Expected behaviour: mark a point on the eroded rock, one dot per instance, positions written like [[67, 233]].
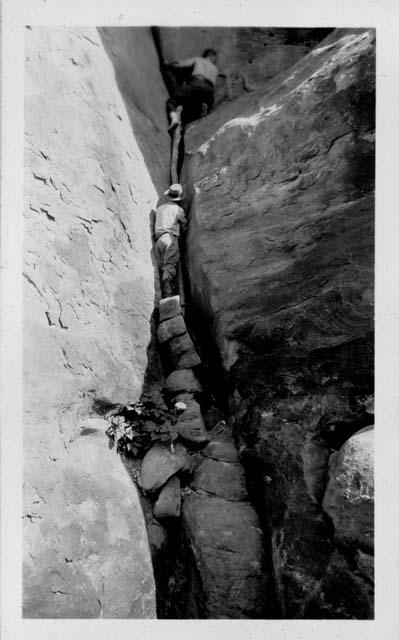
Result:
[[91, 180], [223, 479], [188, 360], [81, 516], [181, 344], [182, 380], [190, 424], [159, 464], [228, 551], [169, 307], [349, 497], [171, 328], [168, 503], [220, 449]]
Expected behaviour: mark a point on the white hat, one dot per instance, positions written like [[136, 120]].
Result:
[[175, 192]]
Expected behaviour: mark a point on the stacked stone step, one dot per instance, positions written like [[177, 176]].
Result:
[[182, 384]]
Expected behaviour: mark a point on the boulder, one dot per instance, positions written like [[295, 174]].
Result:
[[169, 500], [159, 464], [169, 307], [87, 551], [188, 360], [223, 479], [171, 328], [221, 449], [349, 497], [227, 548], [183, 380], [181, 344], [190, 424]]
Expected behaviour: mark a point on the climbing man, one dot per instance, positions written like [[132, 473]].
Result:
[[170, 219], [196, 95]]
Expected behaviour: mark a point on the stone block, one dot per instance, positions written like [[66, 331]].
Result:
[[171, 328], [188, 360], [159, 464], [169, 307], [183, 380], [169, 500], [190, 424], [181, 344]]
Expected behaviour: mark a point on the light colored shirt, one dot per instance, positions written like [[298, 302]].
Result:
[[168, 219], [202, 67]]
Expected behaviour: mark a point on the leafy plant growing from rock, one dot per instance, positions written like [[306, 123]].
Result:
[[140, 425]]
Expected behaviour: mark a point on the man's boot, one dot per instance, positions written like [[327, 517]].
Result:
[[174, 121]]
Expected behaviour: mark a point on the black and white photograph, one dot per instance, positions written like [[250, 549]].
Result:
[[198, 321]]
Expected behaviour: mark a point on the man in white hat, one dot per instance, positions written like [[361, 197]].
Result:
[[170, 219]]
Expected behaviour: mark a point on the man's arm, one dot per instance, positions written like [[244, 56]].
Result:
[[180, 64]]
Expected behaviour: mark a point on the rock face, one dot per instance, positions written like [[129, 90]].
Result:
[[251, 56], [280, 262], [226, 543], [87, 553], [349, 497], [282, 204], [159, 464], [90, 185]]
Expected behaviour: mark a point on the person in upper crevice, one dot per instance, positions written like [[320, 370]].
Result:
[[196, 96], [170, 219]]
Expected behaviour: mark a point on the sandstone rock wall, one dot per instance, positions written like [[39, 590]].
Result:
[[281, 231], [280, 263], [91, 182]]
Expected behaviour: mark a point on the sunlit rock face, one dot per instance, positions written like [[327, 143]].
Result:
[[91, 182]]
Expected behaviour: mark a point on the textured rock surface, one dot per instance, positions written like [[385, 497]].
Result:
[[169, 307], [223, 450], [170, 328], [226, 545], [190, 424], [169, 500], [159, 464], [282, 205], [223, 479], [280, 258], [87, 554], [349, 497], [251, 56], [181, 344], [188, 360], [183, 380], [88, 299]]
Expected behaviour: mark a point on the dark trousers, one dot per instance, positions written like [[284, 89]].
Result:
[[191, 96]]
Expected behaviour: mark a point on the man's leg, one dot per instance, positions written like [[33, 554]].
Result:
[[167, 251], [170, 262], [172, 103]]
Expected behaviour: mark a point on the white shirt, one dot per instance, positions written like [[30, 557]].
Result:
[[168, 218], [203, 67]]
